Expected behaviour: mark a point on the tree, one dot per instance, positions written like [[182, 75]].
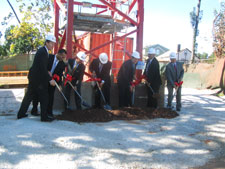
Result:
[[38, 12], [195, 19], [219, 32], [24, 38], [36, 23]]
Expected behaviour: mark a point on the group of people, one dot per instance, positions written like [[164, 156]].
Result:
[[47, 71]]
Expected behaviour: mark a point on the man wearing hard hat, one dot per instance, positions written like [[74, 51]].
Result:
[[39, 79], [174, 75], [75, 68], [56, 67], [125, 77], [153, 78], [100, 68]]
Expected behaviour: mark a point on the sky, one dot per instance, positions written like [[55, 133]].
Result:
[[166, 22]]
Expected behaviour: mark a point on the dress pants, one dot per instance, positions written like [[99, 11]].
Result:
[[124, 95], [76, 97], [40, 91], [151, 102], [106, 93], [51, 93], [170, 95]]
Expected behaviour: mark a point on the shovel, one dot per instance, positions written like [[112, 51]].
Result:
[[178, 86], [60, 90], [133, 96], [155, 95], [85, 104], [106, 106]]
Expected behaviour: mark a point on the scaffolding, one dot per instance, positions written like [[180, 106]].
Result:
[[115, 20]]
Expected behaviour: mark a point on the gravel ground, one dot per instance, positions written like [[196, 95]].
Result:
[[192, 139]]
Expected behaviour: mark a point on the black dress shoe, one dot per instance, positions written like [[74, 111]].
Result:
[[20, 116], [51, 116], [47, 119], [35, 113]]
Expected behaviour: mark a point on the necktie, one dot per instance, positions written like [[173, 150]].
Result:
[[54, 65], [100, 67], [148, 66], [175, 67], [75, 67]]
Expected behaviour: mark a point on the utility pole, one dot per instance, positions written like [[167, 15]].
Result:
[[13, 11], [195, 32]]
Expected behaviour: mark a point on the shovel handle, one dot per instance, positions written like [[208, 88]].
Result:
[[60, 90]]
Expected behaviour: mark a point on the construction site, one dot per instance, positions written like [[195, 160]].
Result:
[[127, 138]]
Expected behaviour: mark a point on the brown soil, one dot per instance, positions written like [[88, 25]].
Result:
[[127, 113]]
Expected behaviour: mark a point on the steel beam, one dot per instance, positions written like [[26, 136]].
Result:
[[56, 26], [115, 39], [69, 28], [119, 12]]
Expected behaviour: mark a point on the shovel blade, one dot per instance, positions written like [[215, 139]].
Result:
[[85, 104], [107, 107]]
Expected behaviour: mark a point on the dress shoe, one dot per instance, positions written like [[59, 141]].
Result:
[[20, 116], [178, 109], [47, 119], [35, 113], [51, 116]]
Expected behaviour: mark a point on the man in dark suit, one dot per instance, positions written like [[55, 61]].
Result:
[[100, 68], [125, 76], [56, 66], [153, 78], [75, 68], [39, 79], [174, 73]]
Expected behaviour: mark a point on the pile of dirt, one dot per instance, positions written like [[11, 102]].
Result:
[[127, 113]]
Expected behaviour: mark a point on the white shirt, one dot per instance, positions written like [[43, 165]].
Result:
[[55, 62]]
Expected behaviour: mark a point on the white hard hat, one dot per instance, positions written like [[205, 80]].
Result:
[[81, 56], [103, 57], [173, 55], [151, 51], [51, 38], [136, 55]]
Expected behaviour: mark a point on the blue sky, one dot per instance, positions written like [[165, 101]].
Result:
[[166, 22]]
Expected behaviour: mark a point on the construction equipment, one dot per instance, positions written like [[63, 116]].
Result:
[[106, 106], [85, 104]]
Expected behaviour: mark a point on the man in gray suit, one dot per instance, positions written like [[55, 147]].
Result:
[[174, 75]]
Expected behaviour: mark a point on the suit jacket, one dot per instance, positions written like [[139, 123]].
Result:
[[76, 73], [152, 73], [38, 73], [126, 73], [105, 72], [60, 67], [172, 75]]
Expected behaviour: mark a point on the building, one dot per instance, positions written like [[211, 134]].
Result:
[[183, 56], [158, 48]]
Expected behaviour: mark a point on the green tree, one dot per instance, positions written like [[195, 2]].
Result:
[[24, 38], [219, 32], [8, 41], [38, 12], [196, 16], [36, 23], [3, 51]]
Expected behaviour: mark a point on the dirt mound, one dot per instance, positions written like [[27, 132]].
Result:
[[128, 113]]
